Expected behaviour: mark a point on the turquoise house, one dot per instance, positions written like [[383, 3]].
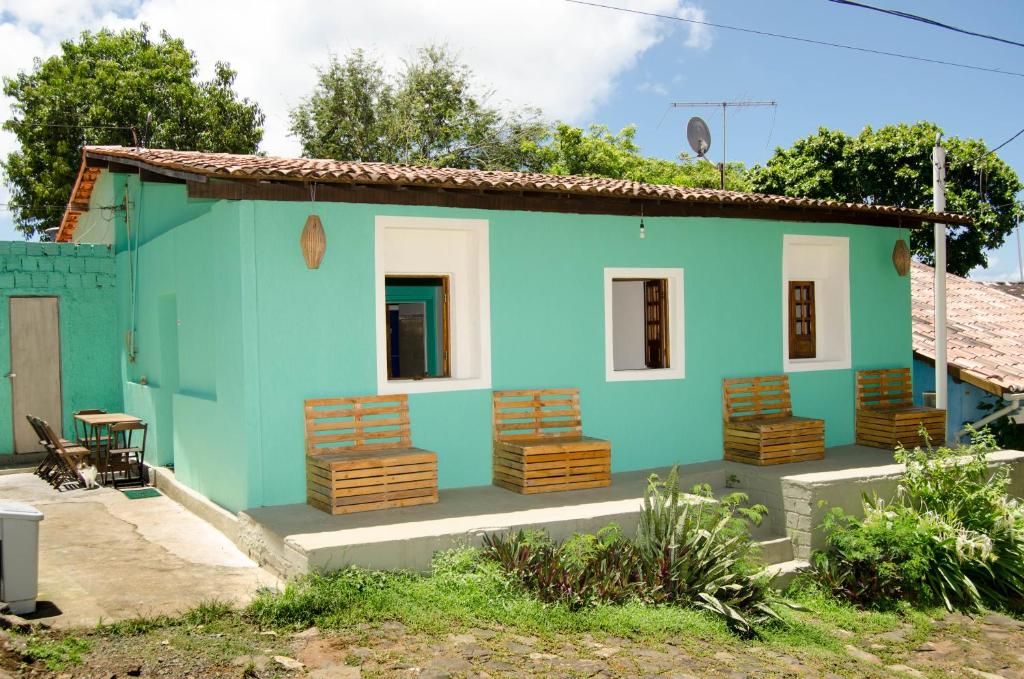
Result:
[[447, 284]]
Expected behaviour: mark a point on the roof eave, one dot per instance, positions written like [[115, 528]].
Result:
[[867, 215]]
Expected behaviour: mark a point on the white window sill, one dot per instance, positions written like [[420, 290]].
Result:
[[800, 365], [644, 374], [432, 385]]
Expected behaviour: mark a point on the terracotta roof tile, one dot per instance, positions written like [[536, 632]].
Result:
[[1015, 289], [985, 327], [231, 166]]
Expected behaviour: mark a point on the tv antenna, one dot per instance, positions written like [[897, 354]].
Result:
[[724, 105]]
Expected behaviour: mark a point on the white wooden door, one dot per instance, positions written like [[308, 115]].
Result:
[[35, 367]]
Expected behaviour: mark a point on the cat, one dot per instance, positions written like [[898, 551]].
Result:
[[89, 473]]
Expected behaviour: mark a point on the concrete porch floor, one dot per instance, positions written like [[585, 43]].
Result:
[[104, 557], [293, 539]]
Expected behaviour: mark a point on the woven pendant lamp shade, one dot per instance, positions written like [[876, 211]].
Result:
[[313, 242], [901, 257]]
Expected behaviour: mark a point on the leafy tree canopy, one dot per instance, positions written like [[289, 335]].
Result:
[[602, 153], [892, 166], [428, 113], [96, 91]]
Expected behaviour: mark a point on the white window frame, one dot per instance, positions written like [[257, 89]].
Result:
[[676, 325], [462, 309], [831, 287]]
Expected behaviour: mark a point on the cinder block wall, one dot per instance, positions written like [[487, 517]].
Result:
[[82, 278]]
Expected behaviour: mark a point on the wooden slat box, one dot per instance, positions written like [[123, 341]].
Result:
[[539, 446], [359, 456], [759, 426], [887, 416]]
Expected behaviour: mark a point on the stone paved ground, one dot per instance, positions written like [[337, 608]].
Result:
[[990, 646]]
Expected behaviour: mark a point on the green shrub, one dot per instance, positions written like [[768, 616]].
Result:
[[689, 550], [951, 536], [583, 571]]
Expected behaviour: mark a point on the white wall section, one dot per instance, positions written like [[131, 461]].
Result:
[[457, 248], [826, 261]]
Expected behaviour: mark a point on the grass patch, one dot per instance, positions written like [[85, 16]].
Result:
[[209, 612], [466, 590], [57, 653], [463, 590]]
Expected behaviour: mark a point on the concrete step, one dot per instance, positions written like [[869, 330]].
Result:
[[785, 572], [776, 550]]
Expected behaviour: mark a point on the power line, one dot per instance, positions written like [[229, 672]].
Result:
[[810, 41], [991, 151], [1019, 132], [926, 20]]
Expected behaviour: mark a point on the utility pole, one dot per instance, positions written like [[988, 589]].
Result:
[[724, 106], [1020, 257], [939, 205]]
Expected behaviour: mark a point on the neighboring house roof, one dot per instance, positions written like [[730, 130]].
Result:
[[985, 330], [1015, 289], [196, 167]]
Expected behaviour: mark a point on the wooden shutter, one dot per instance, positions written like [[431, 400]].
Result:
[[802, 343], [656, 323]]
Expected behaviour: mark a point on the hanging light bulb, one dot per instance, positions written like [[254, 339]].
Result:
[[642, 233]]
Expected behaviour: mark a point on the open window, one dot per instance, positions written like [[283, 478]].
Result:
[[802, 314], [418, 341], [432, 303], [643, 319]]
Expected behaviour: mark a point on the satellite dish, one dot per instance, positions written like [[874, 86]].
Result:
[[699, 136]]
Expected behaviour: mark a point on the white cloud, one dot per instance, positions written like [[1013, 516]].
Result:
[[564, 58], [698, 36], [653, 88]]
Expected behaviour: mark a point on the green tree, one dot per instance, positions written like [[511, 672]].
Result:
[[892, 166], [599, 152], [429, 113], [100, 90]]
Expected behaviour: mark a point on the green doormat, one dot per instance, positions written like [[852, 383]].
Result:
[[140, 493]]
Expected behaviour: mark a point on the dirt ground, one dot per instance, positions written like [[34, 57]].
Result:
[[958, 646]]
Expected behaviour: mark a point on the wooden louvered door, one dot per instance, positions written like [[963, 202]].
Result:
[[656, 323], [802, 315]]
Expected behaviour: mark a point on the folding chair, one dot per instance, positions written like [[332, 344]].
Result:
[[51, 461], [68, 458], [126, 451]]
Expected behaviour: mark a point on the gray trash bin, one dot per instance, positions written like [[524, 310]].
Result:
[[19, 555]]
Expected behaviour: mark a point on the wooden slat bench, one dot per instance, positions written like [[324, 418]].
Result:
[[887, 416], [759, 426], [359, 456], [539, 445]]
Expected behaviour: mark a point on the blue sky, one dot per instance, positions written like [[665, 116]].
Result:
[[588, 65], [836, 88]]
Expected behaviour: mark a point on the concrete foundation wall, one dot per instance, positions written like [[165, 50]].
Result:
[[806, 498]]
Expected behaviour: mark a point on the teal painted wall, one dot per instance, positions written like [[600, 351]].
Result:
[[188, 377], [547, 317], [82, 278], [276, 333]]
